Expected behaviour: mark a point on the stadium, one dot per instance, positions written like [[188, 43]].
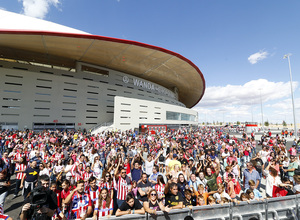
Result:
[[56, 77]]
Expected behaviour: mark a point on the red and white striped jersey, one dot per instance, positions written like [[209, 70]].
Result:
[[107, 186], [80, 204], [87, 175], [160, 189], [122, 187], [94, 195], [21, 174], [104, 211]]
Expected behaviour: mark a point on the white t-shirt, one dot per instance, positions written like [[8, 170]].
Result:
[[149, 167]]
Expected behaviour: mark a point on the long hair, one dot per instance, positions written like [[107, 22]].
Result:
[[160, 179], [101, 198]]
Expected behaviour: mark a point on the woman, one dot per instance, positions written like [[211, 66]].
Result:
[[4, 186], [130, 206], [108, 183], [104, 205], [182, 184], [160, 188], [20, 171], [153, 204], [43, 170], [272, 180], [97, 168], [68, 169], [185, 172]]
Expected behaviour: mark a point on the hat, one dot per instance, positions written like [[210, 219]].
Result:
[[174, 155], [191, 158]]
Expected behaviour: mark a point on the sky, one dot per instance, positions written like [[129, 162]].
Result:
[[238, 46]]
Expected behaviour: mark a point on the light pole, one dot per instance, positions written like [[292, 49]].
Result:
[[262, 114], [292, 92]]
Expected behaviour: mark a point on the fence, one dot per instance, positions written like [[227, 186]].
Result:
[[275, 208]]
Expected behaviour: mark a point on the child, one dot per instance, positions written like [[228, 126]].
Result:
[[221, 193], [250, 194], [200, 200], [285, 165], [211, 200], [257, 194], [188, 200], [134, 189], [230, 187], [244, 197], [201, 192]]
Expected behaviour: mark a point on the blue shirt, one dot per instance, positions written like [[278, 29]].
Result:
[[254, 175]]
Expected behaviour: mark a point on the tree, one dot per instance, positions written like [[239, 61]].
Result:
[[284, 124], [267, 124], [238, 123]]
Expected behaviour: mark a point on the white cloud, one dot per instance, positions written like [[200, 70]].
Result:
[[254, 58], [38, 8], [243, 102]]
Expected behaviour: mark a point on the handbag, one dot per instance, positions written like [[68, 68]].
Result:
[[279, 192]]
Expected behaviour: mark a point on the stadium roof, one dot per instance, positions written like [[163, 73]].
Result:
[[49, 43]]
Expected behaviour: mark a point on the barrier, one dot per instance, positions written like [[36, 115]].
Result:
[[275, 208], [211, 212]]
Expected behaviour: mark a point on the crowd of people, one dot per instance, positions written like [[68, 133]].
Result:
[[120, 173]]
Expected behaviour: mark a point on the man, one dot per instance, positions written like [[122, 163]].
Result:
[[123, 185], [136, 171], [37, 158], [174, 199], [47, 210], [93, 190], [193, 183], [250, 174], [143, 188], [258, 165], [30, 178], [81, 206], [293, 165], [154, 175], [149, 163]]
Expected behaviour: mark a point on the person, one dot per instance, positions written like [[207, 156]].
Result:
[[160, 188], [93, 190], [104, 205], [46, 211], [20, 171], [272, 180], [154, 175], [174, 199], [130, 206], [4, 186], [123, 184], [250, 174], [149, 163], [81, 206], [293, 165], [30, 178], [66, 190], [143, 188], [230, 187], [212, 177], [152, 205]]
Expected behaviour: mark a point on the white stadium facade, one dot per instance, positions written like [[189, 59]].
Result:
[[55, 77]]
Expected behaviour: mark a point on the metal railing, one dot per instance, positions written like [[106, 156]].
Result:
[[275, 208], [101, 125]]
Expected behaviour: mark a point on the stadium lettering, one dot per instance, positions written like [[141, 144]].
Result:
[[150, 86]]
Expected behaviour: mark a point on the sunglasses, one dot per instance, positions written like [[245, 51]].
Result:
[[107, 176], [123, 172], [153, 194]]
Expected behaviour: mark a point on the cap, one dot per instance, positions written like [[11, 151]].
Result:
[[191, 158], [174, 155]]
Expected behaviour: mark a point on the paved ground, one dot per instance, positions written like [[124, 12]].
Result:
[[13, 207]]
